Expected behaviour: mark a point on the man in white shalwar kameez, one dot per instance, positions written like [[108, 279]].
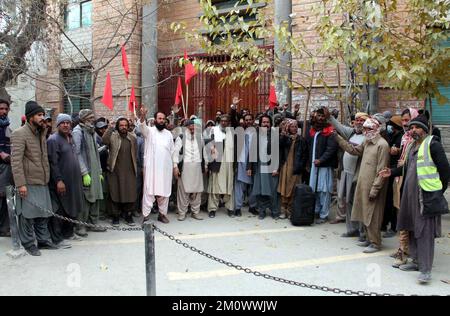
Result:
[[158, 165], [189, 169], [221, 179]]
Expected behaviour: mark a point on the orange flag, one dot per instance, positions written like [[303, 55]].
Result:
[[125, 65], [107, 94], [179, 94], [273, 101], [132, 102], [189, 70]]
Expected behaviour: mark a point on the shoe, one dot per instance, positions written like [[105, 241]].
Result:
[[276, 217], [212, 214], [409, 267], [47, 246], [389, 234], [116, 221], [231, 213], [337, 221], [364, 244], [371, 249], [5, 234], [321, 221], [400, 260], [136, 214], [361, 238], [33, 251], [163, 219], [262, 216], [97, 229], [63, 245], [181, 218], [197, 217], [146, 218], [283, 216], [75, 237], [396, 254], [350, 234], [129, 220], [424, 278], [82, 232], [253, 211], [238, 213]]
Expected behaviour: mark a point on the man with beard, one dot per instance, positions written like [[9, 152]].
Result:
[[426, 174], [49, 125], [221, 167], [265, 186], [293, 160], [158, 165], [101, 125], [351, 167], [122, 170], [244, 177], [65, 185], [189, 170], [323, 160], [5, 166], [31, 172], [371, 189], [91, 171]]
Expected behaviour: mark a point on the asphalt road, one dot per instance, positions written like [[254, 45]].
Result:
[[112, 263]]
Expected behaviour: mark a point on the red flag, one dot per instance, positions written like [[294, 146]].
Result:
[[189, 70], [132, 102], [125, 66], [273, 101], [107, 95], [179, 94]]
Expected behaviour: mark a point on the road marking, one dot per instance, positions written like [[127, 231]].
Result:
[[191, 237], [178, 276]]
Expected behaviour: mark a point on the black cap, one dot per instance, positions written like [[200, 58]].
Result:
[[422, 122], [32, 108]]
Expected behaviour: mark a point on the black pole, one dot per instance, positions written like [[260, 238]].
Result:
[[12, 219], [150, 259]]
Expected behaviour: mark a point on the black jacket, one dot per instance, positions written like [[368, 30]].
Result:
[[440, 160], [326, 150], [301, 153]]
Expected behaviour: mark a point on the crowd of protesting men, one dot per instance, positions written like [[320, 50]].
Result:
[[391, 173]]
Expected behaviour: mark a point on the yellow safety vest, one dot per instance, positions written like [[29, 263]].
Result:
[[427, 172]]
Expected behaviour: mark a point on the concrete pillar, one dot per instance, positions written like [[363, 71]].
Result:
[[283, 11], [150, 56]]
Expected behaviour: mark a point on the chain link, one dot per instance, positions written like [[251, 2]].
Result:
[[221, 261]]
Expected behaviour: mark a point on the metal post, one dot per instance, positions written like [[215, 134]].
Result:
[[17, 251], [150, 269]]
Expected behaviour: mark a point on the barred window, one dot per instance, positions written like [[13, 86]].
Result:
[[78, 83]]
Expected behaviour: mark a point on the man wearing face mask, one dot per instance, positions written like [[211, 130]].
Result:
[[371, 189], [30, 167], [122, 170], [158, 165], [91, 171], [351, 167], [426, 175]]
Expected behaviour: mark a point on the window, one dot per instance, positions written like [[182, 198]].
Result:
[[78, 83], [78, 14]]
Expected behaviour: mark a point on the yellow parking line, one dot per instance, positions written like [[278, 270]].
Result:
[[178, 276], [190, 237]]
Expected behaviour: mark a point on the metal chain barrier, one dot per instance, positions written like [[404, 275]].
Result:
[[221, 261]]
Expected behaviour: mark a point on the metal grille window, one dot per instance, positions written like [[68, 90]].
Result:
[[78, 83]]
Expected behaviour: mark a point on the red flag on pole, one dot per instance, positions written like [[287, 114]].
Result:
[[107, 94], [125, 65], [189, 70], [132, 102], [179, 94], [273, 101]]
